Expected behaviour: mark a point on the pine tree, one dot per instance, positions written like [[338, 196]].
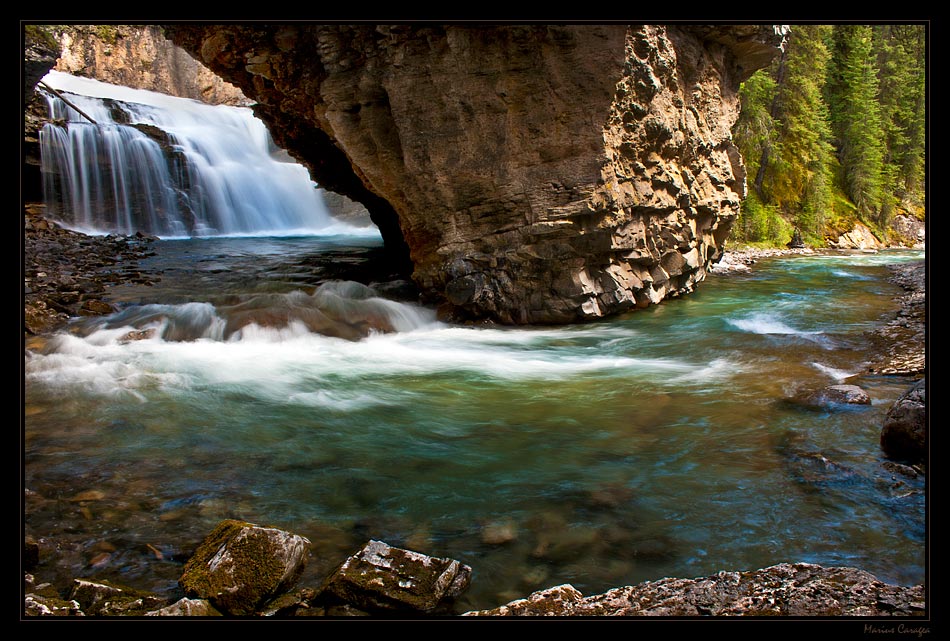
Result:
[[900, 57], [784, 128], [802, 181], [852, 93]]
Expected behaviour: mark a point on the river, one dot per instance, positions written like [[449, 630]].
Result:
[[666, 442], [287, 380]]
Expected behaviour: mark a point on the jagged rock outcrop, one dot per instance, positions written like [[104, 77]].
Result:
[[787, 589], [910, 231], [900, 346], [532, 173], [40, 51]]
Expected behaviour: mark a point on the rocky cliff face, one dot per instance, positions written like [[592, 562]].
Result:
[[531, 173], [142, 58]]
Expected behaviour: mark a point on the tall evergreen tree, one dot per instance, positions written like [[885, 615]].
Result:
[[901, 62], [802, 180], [754, 135], [856, 119]]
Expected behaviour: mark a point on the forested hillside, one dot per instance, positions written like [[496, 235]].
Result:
[[834, 132]]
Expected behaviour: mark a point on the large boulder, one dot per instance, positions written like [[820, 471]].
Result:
[[240, 566], [904, 435], [860, 237], [383, 578], [530, 173]]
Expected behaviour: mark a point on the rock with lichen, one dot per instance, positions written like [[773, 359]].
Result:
[[787, 589], [241, 566], [35, 605], [186, 608], [106, 598], [383, 578]]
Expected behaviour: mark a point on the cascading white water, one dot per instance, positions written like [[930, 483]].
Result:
[[171, 167]]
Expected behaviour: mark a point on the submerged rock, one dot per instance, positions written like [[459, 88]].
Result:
[[384, 578], [839, 395], [830, 397], [240, 566]]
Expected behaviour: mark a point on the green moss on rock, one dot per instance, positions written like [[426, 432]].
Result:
[[240, 566]]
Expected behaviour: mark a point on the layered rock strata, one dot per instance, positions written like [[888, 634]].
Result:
[[529, 173]]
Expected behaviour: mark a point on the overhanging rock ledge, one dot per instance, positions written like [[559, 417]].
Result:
[[528, 174]]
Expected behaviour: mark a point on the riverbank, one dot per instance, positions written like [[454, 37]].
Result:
[[67, 274], [742, 259], [900, 347]]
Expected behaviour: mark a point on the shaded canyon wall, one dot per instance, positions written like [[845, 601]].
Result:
[[530, 173]]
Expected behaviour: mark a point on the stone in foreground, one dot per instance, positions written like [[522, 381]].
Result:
[[787, 589], [240, 566], [380, 577], [105, 598], [186, 608]]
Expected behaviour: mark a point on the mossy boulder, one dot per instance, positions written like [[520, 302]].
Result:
[[384, 578], [241, 566]]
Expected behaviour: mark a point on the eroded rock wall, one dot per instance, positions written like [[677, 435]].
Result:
[[531, 173], [139, 56]]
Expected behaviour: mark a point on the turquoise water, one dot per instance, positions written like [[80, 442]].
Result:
[[659, 443]]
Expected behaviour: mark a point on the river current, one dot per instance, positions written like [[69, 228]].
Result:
[[277, 374], [665, 442]]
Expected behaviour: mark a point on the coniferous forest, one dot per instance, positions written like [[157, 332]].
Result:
[[834, 132]]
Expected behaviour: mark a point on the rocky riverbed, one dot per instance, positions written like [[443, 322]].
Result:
[[67, 274]]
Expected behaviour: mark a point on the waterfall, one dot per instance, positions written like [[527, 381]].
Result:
[[171, 167]]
